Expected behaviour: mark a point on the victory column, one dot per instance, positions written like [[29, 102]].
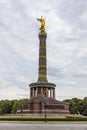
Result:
[[42, 93]]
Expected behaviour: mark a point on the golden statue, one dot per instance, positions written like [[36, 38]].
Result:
[[42, 22]]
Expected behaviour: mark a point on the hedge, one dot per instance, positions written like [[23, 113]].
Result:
[[42, 119]]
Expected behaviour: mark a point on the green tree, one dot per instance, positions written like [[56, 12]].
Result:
[[1, 111], [15, 106], [82, 107], [6, 106], [74, 105]]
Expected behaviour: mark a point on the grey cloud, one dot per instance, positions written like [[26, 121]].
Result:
[[66, 43], [72, 10]]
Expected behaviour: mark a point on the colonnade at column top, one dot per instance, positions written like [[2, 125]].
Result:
[[42, 91]]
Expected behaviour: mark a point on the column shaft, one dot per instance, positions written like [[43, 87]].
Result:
[[42, 72]]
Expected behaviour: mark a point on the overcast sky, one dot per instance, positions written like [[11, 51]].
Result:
[[66, 27]]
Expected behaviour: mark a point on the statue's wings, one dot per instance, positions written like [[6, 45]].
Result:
[[40, 20]]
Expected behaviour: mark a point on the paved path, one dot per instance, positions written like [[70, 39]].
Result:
[[22, 126]]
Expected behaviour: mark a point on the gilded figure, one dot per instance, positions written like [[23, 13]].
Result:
[[42, 22]]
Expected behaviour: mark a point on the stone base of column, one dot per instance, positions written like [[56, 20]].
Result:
[[44, 99], [42, 104]]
